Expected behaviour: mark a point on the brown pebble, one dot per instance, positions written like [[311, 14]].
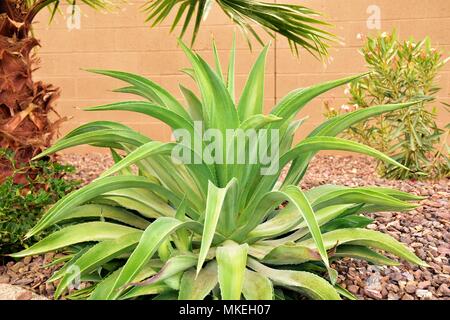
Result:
[[444, 290], [446, 269], [353, 289], [4, 278], [27, 260], [396, 276], [26, 295], [424, 284], [407, 297], [393, 296], [410, 287], [373, 294]]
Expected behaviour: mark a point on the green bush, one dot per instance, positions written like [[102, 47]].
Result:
[[400, 72], [23, 203], [211, 229]]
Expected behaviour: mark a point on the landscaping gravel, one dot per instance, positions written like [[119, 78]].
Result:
[[426, 230]]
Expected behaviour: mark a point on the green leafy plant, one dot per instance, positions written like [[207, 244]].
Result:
[[182, 230], [400, 72], [24, 199]]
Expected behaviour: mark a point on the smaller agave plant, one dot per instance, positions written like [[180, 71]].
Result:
[[206, 230]]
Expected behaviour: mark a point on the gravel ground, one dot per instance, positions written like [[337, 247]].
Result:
[[425, 229]]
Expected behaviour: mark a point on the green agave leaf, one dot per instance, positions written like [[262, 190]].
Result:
[[214, 205], [111, 138], [151, 289], [395, 193], [216, 57], [364, 253], [258, 121], [194, 103], [326, 192], [356, 195], [182, 239], [336, 125], [132, 90], [196, 286], [91, 191], [309, 283], [174, 282], [290, 253], [94, 126], [287, 137], [284, 221], [147, 203], [230, 74], [104, 211], [171, 118], [369, 238], [351, 221], [290, 105], [149, 89], [229, 213], [257, 286], [98, 255], [331, 213], [83, 232], [117, 157], [150, 241], [81, 294], [231, 261], [146, 150], [330, 143], [172, 267], [101, 289], [252, 97], [104, 287]]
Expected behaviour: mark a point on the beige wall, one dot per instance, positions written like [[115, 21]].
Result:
[[122, 41]]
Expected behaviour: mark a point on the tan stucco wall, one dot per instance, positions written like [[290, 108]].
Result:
[[123, 41]]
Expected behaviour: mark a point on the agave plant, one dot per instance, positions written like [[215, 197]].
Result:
[[169, 229]]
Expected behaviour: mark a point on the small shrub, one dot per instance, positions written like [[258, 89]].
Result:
[[24, 200], [400, 72]]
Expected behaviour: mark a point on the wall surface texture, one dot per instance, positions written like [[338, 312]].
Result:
[[123, 41]]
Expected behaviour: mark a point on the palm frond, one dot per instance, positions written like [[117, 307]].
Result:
[[300, 25]]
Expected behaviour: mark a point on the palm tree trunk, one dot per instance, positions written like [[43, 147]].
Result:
[[25, 127]]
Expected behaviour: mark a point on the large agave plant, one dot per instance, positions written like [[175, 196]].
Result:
[[217, 230]]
